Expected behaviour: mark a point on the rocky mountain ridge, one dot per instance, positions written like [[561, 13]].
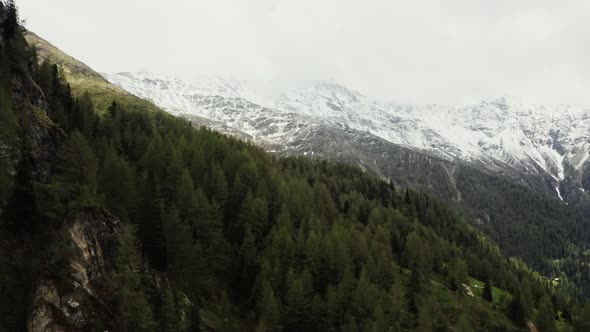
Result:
[[551, 143]]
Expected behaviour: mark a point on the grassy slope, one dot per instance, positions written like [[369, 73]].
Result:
[[83, 79]]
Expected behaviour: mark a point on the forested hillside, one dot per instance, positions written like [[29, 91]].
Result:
[[548, 234], [214, 234]]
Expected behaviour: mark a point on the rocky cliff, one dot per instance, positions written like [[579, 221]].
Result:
[[73, 302]]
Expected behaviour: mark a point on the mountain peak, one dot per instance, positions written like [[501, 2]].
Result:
[[529, 138]]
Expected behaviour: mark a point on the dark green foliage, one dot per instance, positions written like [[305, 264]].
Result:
[[75, 178], [457, 275], [545, 318], [269, 310], [20, 211], [548, 235], [169, 320], [133, 307], [116, 180], [151, 230], [487, 292], [517, 310], [582, 321], [280, 243], [11, 24]]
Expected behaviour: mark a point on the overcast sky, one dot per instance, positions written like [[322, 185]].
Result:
[[445, 51]]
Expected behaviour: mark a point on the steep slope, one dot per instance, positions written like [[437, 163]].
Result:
[[551, 143], [536, 152], [82, 78], [519, 210], [260, 243]]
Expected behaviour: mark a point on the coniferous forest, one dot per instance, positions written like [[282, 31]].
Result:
[[215, 234]]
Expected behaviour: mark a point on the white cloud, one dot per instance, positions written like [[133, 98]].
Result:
[[439, 51]]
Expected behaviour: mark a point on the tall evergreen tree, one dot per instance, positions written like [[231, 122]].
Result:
[[582, 321], [133, 307], [169, 320], [151, 229], [269, 310], [487, 291], [517, 310], [545, 318], [21, 206], [117, 183], [180, 252], [76, 172]]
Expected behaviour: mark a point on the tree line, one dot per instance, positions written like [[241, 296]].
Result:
[[279, 244]]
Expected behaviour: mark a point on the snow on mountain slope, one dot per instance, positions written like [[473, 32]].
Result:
[[532, 139]]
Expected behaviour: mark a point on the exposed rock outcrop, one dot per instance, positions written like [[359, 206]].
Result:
[[73, 302]]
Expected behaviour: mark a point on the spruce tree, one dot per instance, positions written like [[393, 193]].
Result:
[[117, 183], [11, 24], [179, 246], [545, 318], [151, 230], [76, 172], [21, 207], [297, 304], [582, 321], [517, 311], [487, 292], [133, 308], [269, 310], [168, 315]]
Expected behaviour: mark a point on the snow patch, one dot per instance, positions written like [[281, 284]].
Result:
[[558, 193], [527, 137]]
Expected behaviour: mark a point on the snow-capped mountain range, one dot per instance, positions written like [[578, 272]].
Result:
[[552, 141]]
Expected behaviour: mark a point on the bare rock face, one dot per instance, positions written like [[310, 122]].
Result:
[[74, 302]]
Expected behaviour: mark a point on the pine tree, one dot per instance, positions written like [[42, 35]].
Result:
[[364, 298], [324, 203], [284, 219], [133, 307], [217, 189], [253, 217], [457, 275], [172, 179], [83, 118], [168, 315], [208, 230], [76, 172], [113, 109], [381, 324], [269, 310], [11, 24], [117, 183], [151, 229], [247, 263], [396, 308], [517, 311], [545, 318], [21, 207], [487, 292], [179, 246], [417, 253], [582, 321], [297, 304], [185, 198], [319, 313]]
